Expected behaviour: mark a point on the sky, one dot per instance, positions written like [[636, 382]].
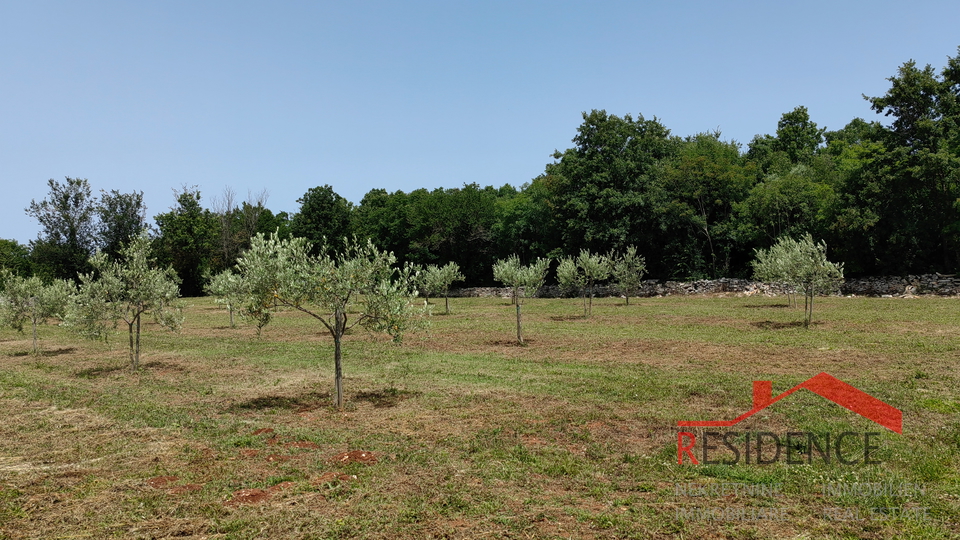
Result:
[[284, 96]]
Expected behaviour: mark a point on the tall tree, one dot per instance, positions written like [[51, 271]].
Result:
[[382, 217], [790, 203], [703, 183], [602, 189], [454, 225], [525, 222], [67, 229], [798, 136], [187, 240], [913, 186], [323, 219], [15, 257], [122, 218]]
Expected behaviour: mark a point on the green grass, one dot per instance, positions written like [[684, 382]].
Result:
[[572, 435]]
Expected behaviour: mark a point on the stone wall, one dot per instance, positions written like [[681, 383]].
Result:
[[939, 284], [936, 284]]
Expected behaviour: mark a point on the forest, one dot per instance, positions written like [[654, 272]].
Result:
[[883, 194]]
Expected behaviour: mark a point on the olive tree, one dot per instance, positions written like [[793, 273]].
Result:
[[126, 289], [581, 274], [525, 281], [569, 277], [227, 290], [802, 264], [627, 270], [30, 300], [436, 280], [358, 282]]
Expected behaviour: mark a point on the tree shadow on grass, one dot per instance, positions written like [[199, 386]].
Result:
[[511, 342], [54, 352], [157, 364], [387, 397], [569, 318], [764, 306], [302, 403], [94, 372], [771, 325]]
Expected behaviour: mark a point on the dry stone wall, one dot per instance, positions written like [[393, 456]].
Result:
[[934, 284]]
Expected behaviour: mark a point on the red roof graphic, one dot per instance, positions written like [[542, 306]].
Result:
[[824, 385]]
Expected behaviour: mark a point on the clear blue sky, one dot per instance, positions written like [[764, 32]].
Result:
[[284, 96]]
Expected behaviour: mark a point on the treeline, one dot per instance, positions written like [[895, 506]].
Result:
[[884, 198]]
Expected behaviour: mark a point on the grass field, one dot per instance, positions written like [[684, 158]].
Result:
[[460, 433]]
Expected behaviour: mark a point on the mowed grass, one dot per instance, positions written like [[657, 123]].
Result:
[[226, 435]]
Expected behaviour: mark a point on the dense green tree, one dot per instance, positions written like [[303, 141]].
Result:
[[67, 220], [323, 218], [797, 136], [382, 217], [525, 222], [453, 225], [702, 186], [187, 240], [122, 218], [790, 203], [602, 189], [904, 198], [15, 257]]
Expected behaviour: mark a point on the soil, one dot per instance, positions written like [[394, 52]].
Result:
[[355, 456]]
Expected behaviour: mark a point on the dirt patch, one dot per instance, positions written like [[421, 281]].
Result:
[[158, 482], [355, 456], [256, 495], [248, 496], [326, 478]]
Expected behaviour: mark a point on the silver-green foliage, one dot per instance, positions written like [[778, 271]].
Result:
[[801, 264], [524, 281], [579, 275], [628, 270], [125, 289], [569, 277], [227, 290], [436, 280], [359, 282], [30, 300]]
